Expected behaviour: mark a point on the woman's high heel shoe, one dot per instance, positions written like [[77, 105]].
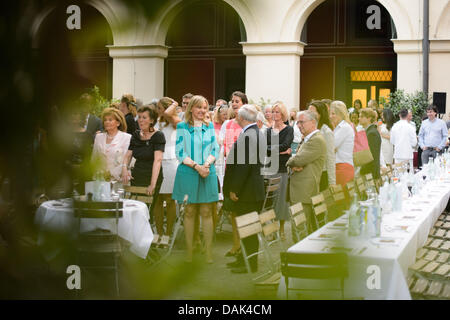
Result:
[[233, 253]]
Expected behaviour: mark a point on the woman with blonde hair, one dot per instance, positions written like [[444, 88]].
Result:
[[279, 140], [344, 138], [111, 146], [128, 108], [197, 149], [268, 116], [220, 116]]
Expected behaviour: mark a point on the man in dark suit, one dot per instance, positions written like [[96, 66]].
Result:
[[243, 181], [93, 123], [368, 118]]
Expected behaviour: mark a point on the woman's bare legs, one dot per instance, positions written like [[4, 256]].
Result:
[[208, 228], [171, 212], [189, 220]]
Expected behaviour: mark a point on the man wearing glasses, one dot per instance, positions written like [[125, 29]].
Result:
[[307, 165]]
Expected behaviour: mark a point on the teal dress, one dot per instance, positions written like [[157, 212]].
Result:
[[196, 143]]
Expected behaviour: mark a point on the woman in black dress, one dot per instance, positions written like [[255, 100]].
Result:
[[279, 140], [147, 147]]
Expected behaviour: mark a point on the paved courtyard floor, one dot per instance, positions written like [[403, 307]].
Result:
[[175, 279]]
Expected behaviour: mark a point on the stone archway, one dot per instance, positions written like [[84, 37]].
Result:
[[442, 30], [340, 44], [301, 9], [215, 57], [84, 51], [157, 30], [106, 8]]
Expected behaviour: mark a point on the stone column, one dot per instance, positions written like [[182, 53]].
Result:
[[409, 64], [440, 68], [138, 70], [273, 71]]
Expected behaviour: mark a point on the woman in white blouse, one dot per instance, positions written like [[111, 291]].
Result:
[[387, 149], [167, 123], [329, 170], [344, 138], [110, 146]]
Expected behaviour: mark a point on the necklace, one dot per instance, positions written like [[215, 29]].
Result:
[[109, 136]]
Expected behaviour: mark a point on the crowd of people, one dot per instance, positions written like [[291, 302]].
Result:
[[211, 153]]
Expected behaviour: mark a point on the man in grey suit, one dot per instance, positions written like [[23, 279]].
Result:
[[306, 166]]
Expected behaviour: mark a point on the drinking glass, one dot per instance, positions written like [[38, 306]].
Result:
[[121, 193]]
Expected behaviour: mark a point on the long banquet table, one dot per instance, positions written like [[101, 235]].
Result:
[[406, 230]]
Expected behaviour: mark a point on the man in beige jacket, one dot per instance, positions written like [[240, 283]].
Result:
[[306, 166]]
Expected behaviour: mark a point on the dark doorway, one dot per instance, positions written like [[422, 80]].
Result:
[[205, 56], [83, 49], [339, 43]]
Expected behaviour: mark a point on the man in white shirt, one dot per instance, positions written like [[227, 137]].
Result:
[[404, 139]]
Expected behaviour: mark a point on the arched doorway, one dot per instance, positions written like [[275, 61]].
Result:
[[349, 54], [75, 57], [205, 56]]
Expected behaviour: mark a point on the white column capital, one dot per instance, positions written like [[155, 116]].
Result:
[[272, 48], [140, 51], [407, 46], [440, 46]]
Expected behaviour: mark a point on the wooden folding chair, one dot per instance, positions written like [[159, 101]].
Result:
[[370, 182], [272, 192], [319, 266], [328, 196], [299, 226], [138, 193], [340, 202], [99, 242], [271, 236], [320, 210], [351, 189], [161, 249], [250, 225], [361, 188]]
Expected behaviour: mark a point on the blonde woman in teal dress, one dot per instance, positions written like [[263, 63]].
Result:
[[197, 149]]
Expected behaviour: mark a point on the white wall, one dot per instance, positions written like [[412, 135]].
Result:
[[273, 72], [439, 68], [138, 70]]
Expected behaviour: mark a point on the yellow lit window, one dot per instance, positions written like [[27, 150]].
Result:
[[371, 76]]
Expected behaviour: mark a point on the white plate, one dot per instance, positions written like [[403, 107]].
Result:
[[397, 228], [338, 225], [334, 249], [407, 217], [386, 241], [325, 236]]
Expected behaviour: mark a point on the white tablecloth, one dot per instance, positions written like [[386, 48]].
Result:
[[418, 216], [134, 225]]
